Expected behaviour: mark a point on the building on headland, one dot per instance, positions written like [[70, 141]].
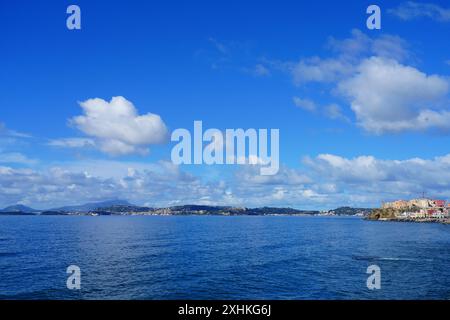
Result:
[[398, 205], [419, 208], [439, 203]]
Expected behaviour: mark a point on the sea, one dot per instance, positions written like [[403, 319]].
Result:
[[222, 257]]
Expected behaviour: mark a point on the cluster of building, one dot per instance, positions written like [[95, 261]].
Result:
[[420, 208]]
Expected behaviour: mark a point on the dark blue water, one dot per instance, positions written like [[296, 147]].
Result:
[[222, 258]]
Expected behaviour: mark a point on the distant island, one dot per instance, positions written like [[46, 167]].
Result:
[[415, 210], [121, 207]]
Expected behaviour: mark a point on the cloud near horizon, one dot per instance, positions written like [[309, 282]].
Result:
[[379, 180], [16, 158], [323, 182]]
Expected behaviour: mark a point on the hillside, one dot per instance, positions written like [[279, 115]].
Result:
[[19, 208], [378, 214]]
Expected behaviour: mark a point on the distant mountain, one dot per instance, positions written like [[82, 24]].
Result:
[[350, 211], [123, 207], [92, 206], [280, 211], [53, 213], [199, 210], [120, 209], [19, 208]]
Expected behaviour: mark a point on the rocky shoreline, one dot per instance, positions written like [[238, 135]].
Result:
[[424, 220], [388, 213]]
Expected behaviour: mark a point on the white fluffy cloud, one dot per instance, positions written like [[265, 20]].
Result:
[[117, 128], [372, 76], [387, 96], [349, 53], [411, 10]]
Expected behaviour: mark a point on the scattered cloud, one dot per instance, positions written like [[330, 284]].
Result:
[[72, 143], [305, 104], [373, 77], [221, 47], [116, 127], [218, 54], [349, 53], [331, 111], [16, 158], [4, 131], [391, 47], [360, 45], [238, 56], [286, 176], [334, 112], [412, 10], [261, 70], [316, 69]]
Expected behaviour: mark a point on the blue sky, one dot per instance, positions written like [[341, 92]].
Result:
[[364, 115]]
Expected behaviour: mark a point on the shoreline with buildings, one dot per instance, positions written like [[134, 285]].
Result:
[[415, 210], [123, 208], [420, 210]]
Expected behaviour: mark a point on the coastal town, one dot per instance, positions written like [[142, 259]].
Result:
[[124, 208], [415, 210]]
